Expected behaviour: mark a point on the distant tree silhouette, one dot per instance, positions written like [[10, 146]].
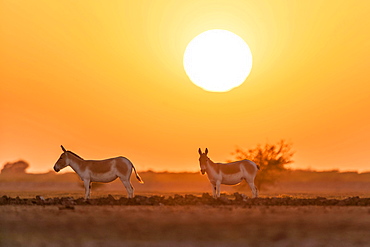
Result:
[[272, 159], [18, 167]]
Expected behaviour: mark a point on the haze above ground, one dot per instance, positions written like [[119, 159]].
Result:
[[106, 79]]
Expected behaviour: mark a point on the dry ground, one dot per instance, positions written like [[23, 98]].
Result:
[[184, 226]]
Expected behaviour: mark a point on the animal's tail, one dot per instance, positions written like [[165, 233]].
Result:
[[137, 175]]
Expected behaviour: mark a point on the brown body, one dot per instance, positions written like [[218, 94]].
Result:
[[228, 173], [98, 170]]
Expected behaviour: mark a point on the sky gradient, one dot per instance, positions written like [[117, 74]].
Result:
[[106, 78]]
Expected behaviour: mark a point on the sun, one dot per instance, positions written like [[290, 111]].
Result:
[[217, 60]]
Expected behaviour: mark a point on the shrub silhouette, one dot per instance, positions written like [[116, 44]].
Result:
[[272, 159]]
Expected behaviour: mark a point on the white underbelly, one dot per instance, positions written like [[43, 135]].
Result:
[[232, 179], [103, 177]]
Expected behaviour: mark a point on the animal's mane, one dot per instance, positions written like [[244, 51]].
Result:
[[75, 155]]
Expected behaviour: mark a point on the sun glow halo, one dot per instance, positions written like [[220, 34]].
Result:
[[217, 60]]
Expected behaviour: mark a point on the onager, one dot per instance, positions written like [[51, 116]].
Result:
[[98, 170], [228, 173]]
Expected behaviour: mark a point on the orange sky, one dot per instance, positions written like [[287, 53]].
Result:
[[105, 78]]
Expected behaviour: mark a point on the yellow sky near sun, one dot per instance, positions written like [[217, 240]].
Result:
[[105, 78]]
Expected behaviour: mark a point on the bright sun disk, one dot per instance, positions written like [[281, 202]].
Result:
[[217, 60]]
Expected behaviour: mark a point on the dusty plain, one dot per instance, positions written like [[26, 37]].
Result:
[[303, 209], [211, 224]]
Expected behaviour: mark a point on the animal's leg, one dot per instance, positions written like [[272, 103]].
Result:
[[218, 185], [87, 184], [254, 189], [128, 186], [214, 189]]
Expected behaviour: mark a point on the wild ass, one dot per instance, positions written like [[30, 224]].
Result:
[[228, 173], [98, 170]]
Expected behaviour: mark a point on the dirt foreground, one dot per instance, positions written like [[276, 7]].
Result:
[[235, 199], [192, 225]]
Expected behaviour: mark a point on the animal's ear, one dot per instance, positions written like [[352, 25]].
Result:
[[200, 151], [64, 150], [206, 152]]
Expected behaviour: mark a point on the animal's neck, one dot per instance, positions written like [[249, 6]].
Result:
[[211, 168], [75, 163], [210, 162]]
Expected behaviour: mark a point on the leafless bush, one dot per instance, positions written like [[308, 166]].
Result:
[[272, 159]]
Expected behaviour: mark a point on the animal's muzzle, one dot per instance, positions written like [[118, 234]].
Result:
[[203, 171], [56, 169]]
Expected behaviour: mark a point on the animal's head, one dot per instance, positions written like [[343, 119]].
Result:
[[203, 159], [62, 161]]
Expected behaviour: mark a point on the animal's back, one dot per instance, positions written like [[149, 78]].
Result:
[[124, 165]]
